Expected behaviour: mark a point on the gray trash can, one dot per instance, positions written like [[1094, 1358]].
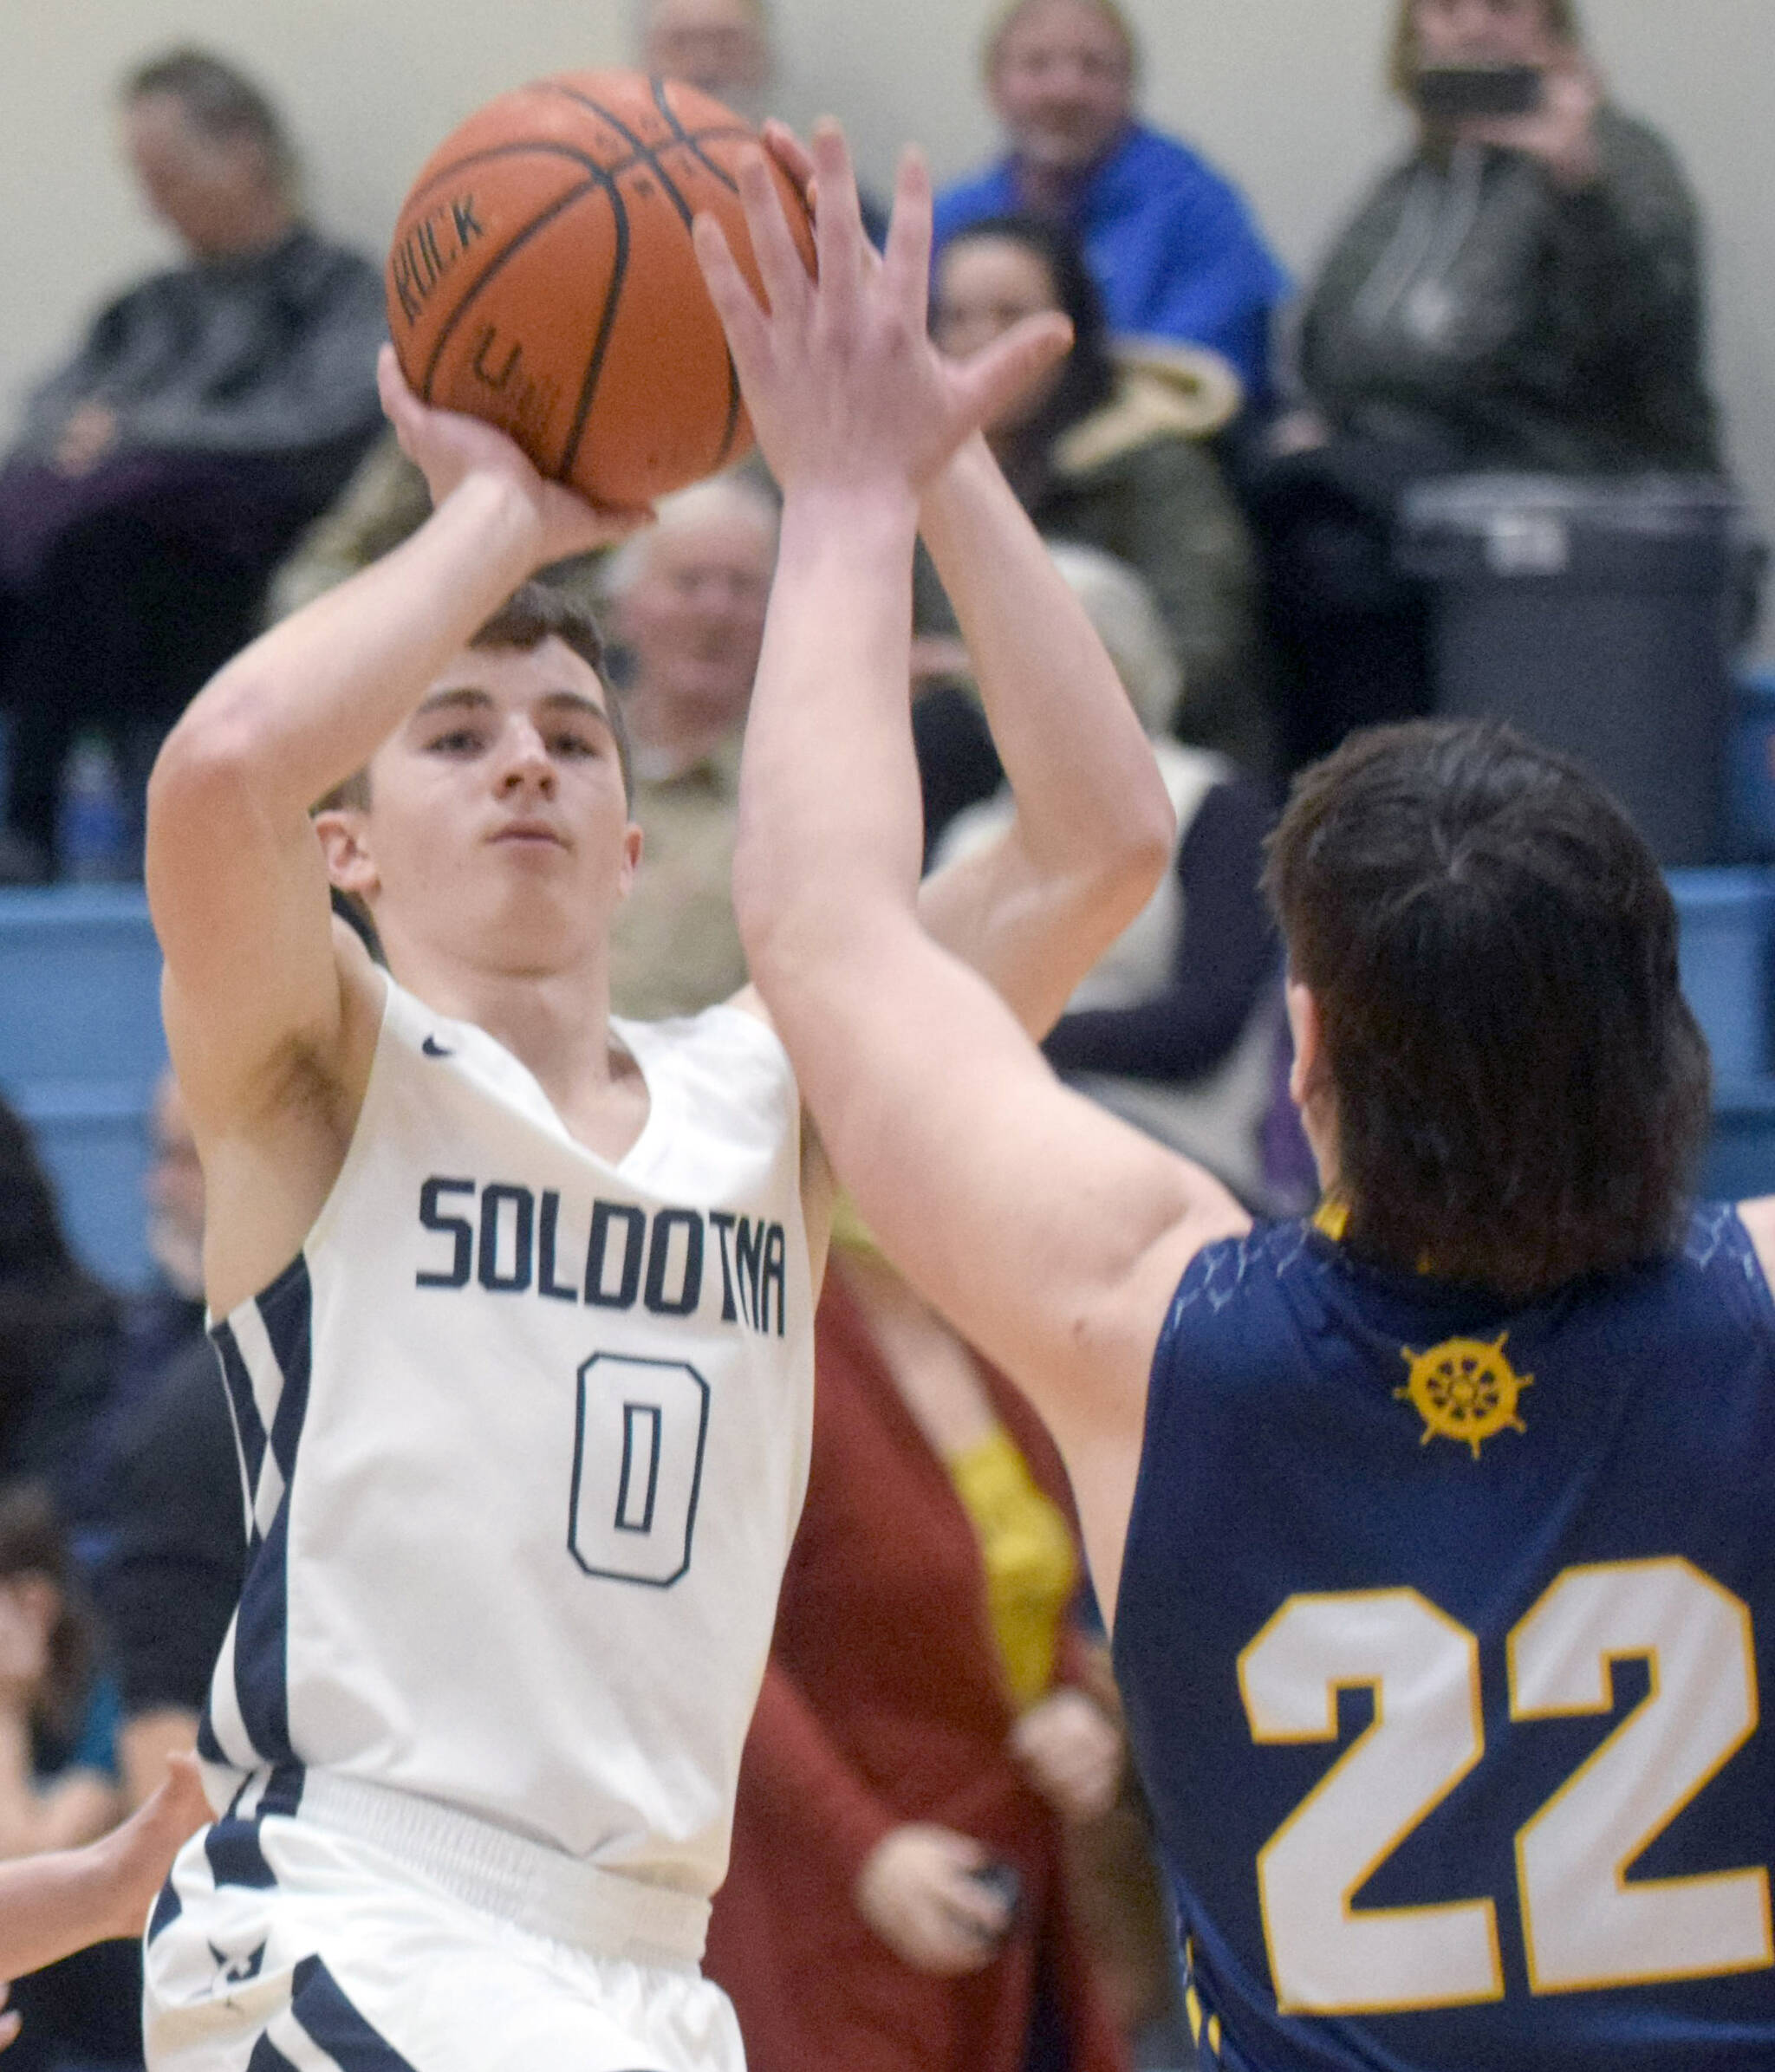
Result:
[[1593, 615]]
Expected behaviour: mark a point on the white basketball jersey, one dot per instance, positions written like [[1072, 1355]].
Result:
[[525, 1436]]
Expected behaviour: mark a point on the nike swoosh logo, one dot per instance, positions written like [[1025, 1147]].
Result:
[[432, 1047]]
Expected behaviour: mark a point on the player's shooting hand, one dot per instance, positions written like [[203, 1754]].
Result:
[[1071, 1751], [844, 388], [918, 1891], [449, 447], [141, 1850]]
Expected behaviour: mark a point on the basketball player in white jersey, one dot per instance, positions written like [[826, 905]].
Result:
[[514, 1301]]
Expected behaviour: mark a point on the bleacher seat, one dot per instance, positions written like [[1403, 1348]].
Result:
[[1727, 953], [80, 1048]]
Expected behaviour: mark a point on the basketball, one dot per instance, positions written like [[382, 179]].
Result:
[[542, 278]]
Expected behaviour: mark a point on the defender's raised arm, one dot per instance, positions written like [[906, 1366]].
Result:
[[1049, 1233]]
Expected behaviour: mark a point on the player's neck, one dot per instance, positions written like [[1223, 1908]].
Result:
[[555, 1023]]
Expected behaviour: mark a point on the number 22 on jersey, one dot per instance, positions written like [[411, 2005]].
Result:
[[1584, 1925]]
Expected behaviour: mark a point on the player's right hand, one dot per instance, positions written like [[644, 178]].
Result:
[[919, 1890], [448, 447]]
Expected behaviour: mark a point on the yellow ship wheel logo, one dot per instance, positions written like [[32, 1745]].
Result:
[[1464, 1389]]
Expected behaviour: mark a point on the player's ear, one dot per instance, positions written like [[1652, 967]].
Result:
[[1303, 1029], [630, 859], [341, 832]]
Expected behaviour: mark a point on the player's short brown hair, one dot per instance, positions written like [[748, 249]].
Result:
[[1560, 15], [1521, 1093], [534, 613]]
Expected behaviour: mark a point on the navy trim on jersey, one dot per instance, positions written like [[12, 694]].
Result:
[[261, 1646], [167, 1909], [287, 1309], [333, 2024], [209, 1747], [267, 2057], [249, 1431], [262, 1622], [232, 1847]]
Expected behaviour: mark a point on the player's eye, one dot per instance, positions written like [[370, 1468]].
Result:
[[573, 743], [455, 741]]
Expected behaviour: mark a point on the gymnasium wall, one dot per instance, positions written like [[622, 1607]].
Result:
[[1284, 93]]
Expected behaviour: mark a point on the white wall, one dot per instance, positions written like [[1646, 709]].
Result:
[[1284, 93]]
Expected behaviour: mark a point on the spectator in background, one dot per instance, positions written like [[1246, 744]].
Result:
[[1171, 244], [170, 1539], [1110, 451], [685, 603], [209, 415], [721, 46], [58, 1331], [1176, 1027], [921, 1729], [1521, 293], [58, 1789]]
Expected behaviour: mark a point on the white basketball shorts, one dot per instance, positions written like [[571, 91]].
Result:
[[302, 1945]]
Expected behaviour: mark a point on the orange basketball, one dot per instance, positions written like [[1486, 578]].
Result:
[[542, 278]]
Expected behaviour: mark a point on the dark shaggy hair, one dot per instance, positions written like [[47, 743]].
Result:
[[1521, 1093]]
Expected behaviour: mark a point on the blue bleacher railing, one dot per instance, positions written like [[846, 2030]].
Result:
[[80, 1048]]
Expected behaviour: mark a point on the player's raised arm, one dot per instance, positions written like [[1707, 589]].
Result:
[[235, 873], [1093, 828], [1050, 1233]]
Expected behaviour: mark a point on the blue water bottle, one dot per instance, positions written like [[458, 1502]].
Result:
[[90, 834]]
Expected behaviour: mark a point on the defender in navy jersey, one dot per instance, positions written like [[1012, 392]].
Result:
[[514, 1300], [1436, 1531]]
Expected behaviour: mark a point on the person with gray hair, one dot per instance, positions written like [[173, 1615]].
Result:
[[685, 604], [721, 47], [1173, 243], [210, 414], [1175, 1028]]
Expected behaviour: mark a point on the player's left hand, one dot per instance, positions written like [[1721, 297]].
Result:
[[841, 380], [1072, 1752]]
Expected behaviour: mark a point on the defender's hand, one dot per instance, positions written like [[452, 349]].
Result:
[[448, 447], [842, 383]]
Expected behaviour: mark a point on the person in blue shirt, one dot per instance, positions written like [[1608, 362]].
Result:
[[1173, 243], [1433, 1528]]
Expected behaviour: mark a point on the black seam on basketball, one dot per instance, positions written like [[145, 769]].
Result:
[[643, 150], [733, 403], [692, 142], [495, 265], [547, 147], [607, 324]]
